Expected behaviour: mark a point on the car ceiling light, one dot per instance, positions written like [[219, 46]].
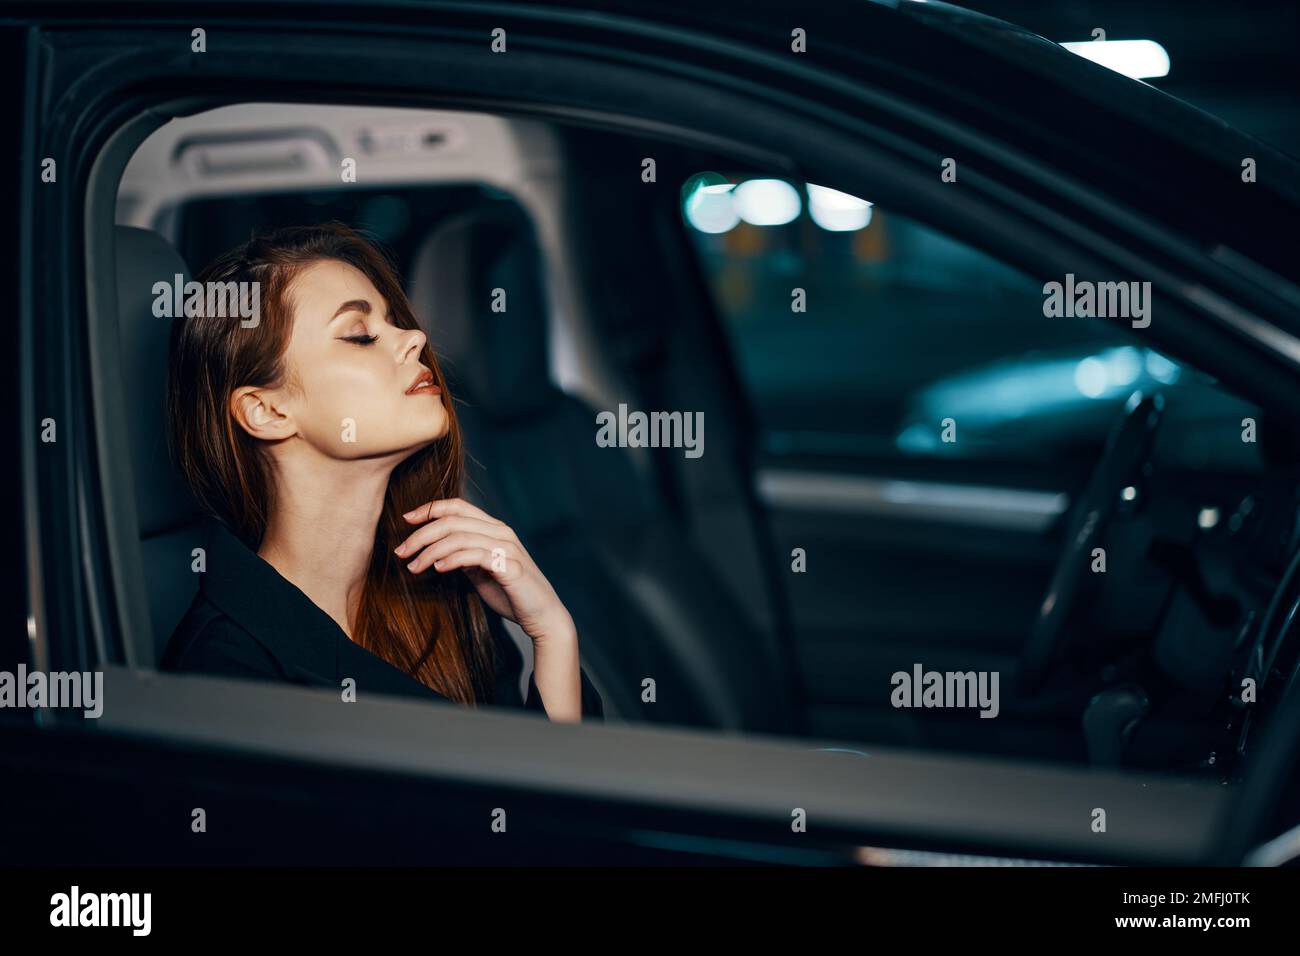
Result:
[[835, 211], [1140, 59], [767, 202], [407, 139]]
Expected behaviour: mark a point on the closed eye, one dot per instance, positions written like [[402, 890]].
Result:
[[368, 339]]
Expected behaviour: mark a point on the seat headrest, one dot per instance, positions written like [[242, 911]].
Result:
[[143, 259], [496, 360]]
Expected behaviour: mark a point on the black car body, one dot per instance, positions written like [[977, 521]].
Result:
[[1063, 167]]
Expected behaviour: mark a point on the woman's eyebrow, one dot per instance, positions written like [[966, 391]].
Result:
[[355, 305], [352, 305]]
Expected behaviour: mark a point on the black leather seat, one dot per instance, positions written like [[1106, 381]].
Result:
[[166, 514], [646, 604]]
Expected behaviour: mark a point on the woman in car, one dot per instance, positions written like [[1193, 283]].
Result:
[[321, 441]]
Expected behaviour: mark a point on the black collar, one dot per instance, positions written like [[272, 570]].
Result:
[[247, 588]]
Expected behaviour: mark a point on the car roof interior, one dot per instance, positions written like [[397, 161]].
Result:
[[258, 148]]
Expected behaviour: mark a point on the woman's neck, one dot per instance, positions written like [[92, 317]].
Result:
[[321, 531]]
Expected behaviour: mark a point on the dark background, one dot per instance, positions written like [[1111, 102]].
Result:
[[1236, 60]]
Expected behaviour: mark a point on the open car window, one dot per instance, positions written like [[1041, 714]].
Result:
[[859, 330]]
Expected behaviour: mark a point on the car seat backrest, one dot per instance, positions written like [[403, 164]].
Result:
[[583, 511], [167, 516]]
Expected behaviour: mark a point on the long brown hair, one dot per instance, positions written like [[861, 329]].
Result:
[[433, 627]]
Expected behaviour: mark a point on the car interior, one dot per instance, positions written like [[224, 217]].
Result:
[[907, 462]]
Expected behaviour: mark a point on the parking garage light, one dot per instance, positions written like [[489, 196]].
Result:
[[1139, 59], [837, 211], [767, 202], [711, 207]]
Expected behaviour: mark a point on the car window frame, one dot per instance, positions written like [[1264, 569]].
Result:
[[85, 118]]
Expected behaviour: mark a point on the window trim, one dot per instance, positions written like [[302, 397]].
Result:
[[86, 115], [724, 785]]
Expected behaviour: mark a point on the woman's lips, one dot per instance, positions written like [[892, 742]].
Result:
[[424, 384]]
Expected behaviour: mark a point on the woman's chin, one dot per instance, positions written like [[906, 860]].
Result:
[[428, 437]]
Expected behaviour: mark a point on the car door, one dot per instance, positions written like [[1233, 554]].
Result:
[[93, 92]]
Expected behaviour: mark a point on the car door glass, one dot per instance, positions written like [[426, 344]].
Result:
[[861, 332]]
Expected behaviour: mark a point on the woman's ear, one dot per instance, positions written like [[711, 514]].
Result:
[[259, 411]]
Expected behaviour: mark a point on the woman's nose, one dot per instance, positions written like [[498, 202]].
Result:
[[414, 342]]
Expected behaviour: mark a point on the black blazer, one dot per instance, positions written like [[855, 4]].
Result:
[[250, 621]]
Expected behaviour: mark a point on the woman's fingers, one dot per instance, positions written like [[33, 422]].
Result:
[[447, 506], [491, 560], [449, 544], [440, 527]]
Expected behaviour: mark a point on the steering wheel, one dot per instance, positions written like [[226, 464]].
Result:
[[1266, 796], [1127, 449]]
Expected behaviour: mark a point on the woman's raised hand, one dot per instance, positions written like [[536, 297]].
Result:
[[455, 534]]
